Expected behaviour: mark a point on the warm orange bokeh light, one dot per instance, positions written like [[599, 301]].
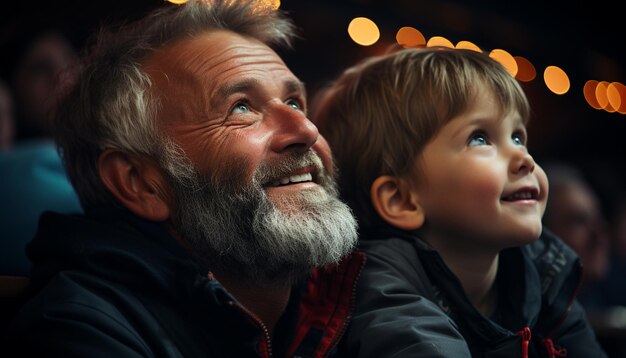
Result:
[[621, 89], [363, 31], [468, 45], [505, 59], [603, 90], [525, 70], [603, 100], [556, 80], [410, 37], [439, 41], [589, 91], [272, 4], [177, 2], [614, 96]]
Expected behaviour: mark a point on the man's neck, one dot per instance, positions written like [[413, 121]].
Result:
[[266, 301]]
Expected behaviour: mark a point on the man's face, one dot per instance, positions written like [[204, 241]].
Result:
[[259, 196], [479, 187]]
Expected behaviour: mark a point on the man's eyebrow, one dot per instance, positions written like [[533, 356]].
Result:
[[242, 86], [295, 86], [223, 92]]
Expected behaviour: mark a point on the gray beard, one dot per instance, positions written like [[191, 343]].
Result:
[[235, 228]]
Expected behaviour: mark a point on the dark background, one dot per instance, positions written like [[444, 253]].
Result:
[[586, 39]]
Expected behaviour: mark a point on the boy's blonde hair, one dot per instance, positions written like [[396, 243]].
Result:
[[378, 115]]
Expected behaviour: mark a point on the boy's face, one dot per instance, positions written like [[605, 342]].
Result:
[[481, 189]]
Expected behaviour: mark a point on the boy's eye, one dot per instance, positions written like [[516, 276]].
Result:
[[240, 107], [519, 139], [477, 139]]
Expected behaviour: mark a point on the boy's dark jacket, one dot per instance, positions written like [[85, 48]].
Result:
[[537, 314], [118, 286]]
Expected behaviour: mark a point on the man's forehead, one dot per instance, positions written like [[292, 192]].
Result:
[[214, 54]]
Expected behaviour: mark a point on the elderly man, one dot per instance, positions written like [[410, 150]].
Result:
[[208, 196]]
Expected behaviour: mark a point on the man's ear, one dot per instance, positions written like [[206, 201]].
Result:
[[396, 203], [136, 182]]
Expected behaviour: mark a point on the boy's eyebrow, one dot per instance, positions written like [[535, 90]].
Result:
[[478, 121], [470, 123]]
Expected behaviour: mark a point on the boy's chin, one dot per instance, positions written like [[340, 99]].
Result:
[[531, 235]]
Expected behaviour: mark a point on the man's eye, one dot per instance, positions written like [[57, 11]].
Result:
[[477, 139], [240, 108], [294, 104]]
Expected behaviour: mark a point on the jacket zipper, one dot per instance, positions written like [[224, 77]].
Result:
[[259, 323], [525, 334], [344, 324], [552, 350]]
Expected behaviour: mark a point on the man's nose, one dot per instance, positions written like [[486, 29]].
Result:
[[293, 130]]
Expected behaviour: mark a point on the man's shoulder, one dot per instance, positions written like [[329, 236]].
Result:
[[74, 309], [80, 296]]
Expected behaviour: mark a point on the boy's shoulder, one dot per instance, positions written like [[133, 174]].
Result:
[[395, 246], [401, 256]]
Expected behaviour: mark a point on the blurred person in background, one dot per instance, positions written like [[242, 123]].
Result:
[[577, 213], [33, 179], [7, 120], [33, 77], [574, 213]]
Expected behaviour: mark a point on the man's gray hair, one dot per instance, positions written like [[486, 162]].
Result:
[[110, 104]]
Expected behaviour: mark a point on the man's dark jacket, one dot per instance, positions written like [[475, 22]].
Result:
[[113, 285], [537, 314]]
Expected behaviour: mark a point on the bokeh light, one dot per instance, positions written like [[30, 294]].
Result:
[[275, 4], [363, 31], [556, 80], [177, 2], [468, 46], [439, 41], [505, 59], [603, 100], [410, 37], [589, 91], [614, 96], [526, 72], [621, 89]]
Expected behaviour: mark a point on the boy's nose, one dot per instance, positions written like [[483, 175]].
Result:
[[522, 163]]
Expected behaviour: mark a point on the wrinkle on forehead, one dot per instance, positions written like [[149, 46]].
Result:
[[203, 54], [206, 59], [195, 65]]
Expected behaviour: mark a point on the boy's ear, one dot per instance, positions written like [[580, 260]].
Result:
[[136, 182], [396, 203]]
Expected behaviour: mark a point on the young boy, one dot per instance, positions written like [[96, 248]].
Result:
[[431, 148]]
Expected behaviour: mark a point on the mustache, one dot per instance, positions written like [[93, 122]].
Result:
[[288, 164]]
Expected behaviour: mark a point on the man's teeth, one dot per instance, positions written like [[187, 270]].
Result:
[[293, 179], [524, 195]]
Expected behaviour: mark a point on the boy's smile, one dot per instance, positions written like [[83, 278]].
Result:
[[478, 182]]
